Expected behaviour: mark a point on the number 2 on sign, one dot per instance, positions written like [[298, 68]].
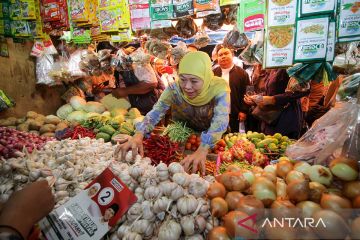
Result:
[[106, 196]]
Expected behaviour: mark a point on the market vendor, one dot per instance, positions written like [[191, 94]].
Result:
[[237, 79], [198, 98]]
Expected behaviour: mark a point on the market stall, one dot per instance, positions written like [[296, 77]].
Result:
[[88, 52]]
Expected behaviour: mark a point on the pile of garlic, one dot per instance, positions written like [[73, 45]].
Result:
[[171, 203]]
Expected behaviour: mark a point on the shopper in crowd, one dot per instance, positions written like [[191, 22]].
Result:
[[142, 93], [237, 79], [290, 120], [198, 98], [24, 209]]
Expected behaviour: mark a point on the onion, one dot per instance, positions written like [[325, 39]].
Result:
[[335, 203], [298, 191], [355, 228], [335, 226], [320, 174], [249, 176], [351, 189], [270, 176], [232, 198], [283, 168], [334, 191], [270, 169], [281, 189], [218, 233], [216, 189], [251, 205], [345, 168], [356, 202], [294, 176], [283, 209], [234, 181], [219, 207], [234, 229], [264, 190], [257, 170], [308, 208], [302, 167], [316, 191]]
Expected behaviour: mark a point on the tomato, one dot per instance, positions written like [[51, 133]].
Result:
[[193, 136], [188, 146], [198, 138], [192, 141], [221, 143], [216, 147]]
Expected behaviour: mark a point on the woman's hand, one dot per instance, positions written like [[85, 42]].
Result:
[[26, 207], [135, 144], [267, 100], [248, 100], [197, 159]]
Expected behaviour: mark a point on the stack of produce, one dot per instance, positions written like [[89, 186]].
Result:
[[36, 123], [315, 191], [178, 132], [276, 144], [13, 143], [193, 142]]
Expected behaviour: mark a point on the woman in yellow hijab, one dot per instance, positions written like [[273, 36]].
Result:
[[198, 98]]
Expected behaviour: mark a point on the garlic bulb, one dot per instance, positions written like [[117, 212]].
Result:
[[200, 224], [143, 227], [132, 236], [152, 192], [177, 193], [169, 230], [162, 171], [122, 230], [211, 223], [195, 237], [161, 204], [175, 167], [183, 179], [198, 187], [147, 211], [134, 212], [167, 187], [135, 171], [187, 204], [114, 236], [188, 225]]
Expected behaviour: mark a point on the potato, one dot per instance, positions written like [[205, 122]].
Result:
[[31, 114], [12, 121], [23, 127], [47, 128], [48, 134], [51, 119], [34, 132], [20, 121], [5, 123], [40, 119], [13, 127], [61, 126], [34, 125]]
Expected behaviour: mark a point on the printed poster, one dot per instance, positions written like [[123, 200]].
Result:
[[91, 213]]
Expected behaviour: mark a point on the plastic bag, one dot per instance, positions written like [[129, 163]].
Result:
[[177, 53], [186, 27], [145, 73], [348, 61], [349, 87], [326, 135], [157, 48], [90, 63], [73, 65], [230, 14], [43, 66], [202, 39], [5, 101], [214, 21], [140, 57], [235, 40]]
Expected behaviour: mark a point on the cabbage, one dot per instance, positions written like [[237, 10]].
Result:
[[118, 112], [77, 102], [64, 111], [111, 102], [94, 107], [77, 116], [92, 114], [134, 113]]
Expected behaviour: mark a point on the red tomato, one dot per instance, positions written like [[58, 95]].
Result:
[[192, 141], [188, 146]]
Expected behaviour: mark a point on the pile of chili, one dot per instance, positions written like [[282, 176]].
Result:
[[78, 132], [161, 149]]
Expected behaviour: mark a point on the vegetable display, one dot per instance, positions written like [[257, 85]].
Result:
[[177, 132]]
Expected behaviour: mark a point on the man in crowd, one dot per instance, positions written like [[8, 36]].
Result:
[[238, 79]]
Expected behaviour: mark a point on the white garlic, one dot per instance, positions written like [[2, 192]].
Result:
[[122, 230], [183, 179], [169, 230], [198, 187], [161, 204], [187, 204], [188, 225], [132, 236], [134, 212], [167, 187], [195, 237], [175, 167], [136, 171], [147, 211], [34, 175], [162, 171], [152, 192], [143, 227], [177, 193]]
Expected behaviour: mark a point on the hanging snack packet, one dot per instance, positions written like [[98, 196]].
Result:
[[161, 9], [183, 8], [205, 5], [108, 19], [235, 40], [37, 49], [186, 27]]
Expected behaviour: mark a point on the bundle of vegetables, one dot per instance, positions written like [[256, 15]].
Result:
[[244, 151], [283, 189], [171, 203], [177, 132], [161, 149], [76, 132], [36, 123], [13, 142]]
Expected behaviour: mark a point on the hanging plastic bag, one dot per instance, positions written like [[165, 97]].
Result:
[[202, 39], [349, 87], [230, 14], [186, 27], [43, 66], [214, 21], [349, 61], [177, 53], [327, 135], [73, 65], [90, 63], [5, 101], [235, 40]]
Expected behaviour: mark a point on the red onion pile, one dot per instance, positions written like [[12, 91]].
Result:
[[13, 142]]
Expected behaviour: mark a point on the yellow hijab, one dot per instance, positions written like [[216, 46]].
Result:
[[199, 64]]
